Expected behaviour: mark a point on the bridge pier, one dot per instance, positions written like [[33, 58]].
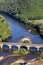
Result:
[[19, 45]]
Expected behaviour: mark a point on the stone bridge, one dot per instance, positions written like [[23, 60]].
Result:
[[21, 45]]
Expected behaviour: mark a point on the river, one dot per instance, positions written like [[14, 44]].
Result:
[[18, 32]]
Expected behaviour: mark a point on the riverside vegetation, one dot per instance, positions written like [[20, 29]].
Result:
[[20, 52], [5, 29]]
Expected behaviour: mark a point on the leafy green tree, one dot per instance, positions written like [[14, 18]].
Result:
[[5, 29]]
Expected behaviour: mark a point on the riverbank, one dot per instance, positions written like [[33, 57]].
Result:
[[12, 16], [19, 32], [27, 25]]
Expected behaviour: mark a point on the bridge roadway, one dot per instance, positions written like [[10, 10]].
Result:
[[20, 45]]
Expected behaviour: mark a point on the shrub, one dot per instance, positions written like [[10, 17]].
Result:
[[20, 52], [26, 41], [41, 56]]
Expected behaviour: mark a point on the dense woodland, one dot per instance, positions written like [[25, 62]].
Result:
[[23, 9]]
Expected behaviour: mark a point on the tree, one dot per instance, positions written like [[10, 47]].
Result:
[[5, 29]]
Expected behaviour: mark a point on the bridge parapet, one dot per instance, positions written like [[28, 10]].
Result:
[[8, 43], [21, 44]]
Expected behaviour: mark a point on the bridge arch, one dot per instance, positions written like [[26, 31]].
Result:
[[33, 49], [23, 47], [41, 49], [14, 47], [5, 48]]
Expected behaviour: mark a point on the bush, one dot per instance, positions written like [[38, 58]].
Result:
[[20, 52], [26, 41], [41, 56]]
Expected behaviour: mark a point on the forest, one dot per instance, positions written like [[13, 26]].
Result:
[[23, 9]]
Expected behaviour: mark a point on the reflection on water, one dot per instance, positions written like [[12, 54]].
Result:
[[18, 32]]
